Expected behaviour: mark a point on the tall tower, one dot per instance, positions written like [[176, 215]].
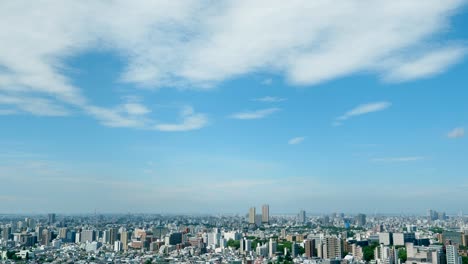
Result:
[[252, 215], [124, 239], [309, 245], [265, 214], [452, 255], [51, 219]]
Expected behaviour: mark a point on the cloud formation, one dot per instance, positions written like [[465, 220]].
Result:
[[458, 132], [270, 99], [399, 159], [201, 43], [296, 140], [364, 109], [189, 121], [257, 114]]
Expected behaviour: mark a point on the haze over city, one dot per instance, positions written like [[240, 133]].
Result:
[[211, 107]]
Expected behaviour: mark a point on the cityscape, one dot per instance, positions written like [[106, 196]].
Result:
[[256, 237], [234, 131]]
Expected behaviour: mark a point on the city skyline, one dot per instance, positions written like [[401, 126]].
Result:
[[204, 107]]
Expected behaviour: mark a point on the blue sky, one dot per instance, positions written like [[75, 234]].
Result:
[[192, 107]]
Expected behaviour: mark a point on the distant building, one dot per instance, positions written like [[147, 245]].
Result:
[[265, 214], [252, 215], [301, 217], [452, 237], [400, 239], [452, 255], [88, 236], [331, 248], [309, 246], [124, 240], [360, 220], [386, 238], [51, 219], [272, 247]]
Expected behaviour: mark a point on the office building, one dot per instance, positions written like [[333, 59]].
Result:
[[51, 219], [360, 220], [309, 246], [265, 214], [272, 247], [452, 255], [124, 240], [400, 239], [252, 215], [386, 238], [87, 236], [331, 248], [301, 217]]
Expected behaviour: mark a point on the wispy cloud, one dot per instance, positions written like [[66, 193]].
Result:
[[296, 140], [257, 114], [458, 132], [270, 99], [158, 51], [428, 64], [189, 121], [267, 81], [399, 159], [364, 109]]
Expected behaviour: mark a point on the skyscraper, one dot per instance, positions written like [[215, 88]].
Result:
[[272, 247], [252, 215], [452, 255], [331, 248], [265, 214], [124, 239], [301, 217], [361, 220], [112, 235], [309, 245], [51, 219]]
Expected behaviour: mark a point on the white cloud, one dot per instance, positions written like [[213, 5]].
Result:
[[364, 109], [198, 44], [429, 64], [296, 140], [399, 159], [458, 132], [135, 109], [33, 105], [257, 114], [189, 121], [270, 99], [267, 81]]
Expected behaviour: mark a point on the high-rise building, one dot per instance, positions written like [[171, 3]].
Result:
[[272, 247], [88, 236], [452, 237], [6, 233], [117, 246], [245, 245], [51, 219], [400, 239], [309, 245], [360, 220], [112, 235], [124, 240], [46, 237], [386, 238], [301, 217], [331, 248], [63, 233], [452, 255], [252, 215], [265, 214], [294, 249]]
